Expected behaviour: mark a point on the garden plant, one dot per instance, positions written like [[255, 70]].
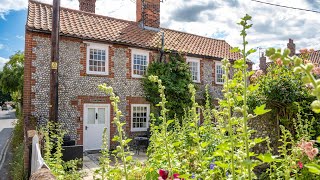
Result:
[[221, 146]]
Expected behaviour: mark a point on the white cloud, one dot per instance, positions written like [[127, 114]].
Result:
[[3, 62], [8, 5], [1, 46], [20, 37]]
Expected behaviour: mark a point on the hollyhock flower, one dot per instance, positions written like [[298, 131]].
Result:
[[307, 148], [163, 174], [176, 176], [259, 73], [279, 62], [253, 78], [303, 51], [300, 164], [316, 70]]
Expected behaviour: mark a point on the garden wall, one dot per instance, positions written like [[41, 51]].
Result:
[[265, 126]]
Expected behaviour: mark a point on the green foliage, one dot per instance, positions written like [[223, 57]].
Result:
[[11, 77], [175, 76], [17, 145], [306, 70], [127, 169], [220, 147], [4, 96], [53, 140], [278, 89], [186, 148]]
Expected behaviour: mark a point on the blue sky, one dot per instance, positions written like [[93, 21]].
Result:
[[12, 31], [272, 26]]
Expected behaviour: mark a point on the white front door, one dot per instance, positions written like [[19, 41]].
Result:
[[96, 118]]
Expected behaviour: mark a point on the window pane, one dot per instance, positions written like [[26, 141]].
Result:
[[101, 115], [91, 116], [139, 116], [97, 59], [139, 64]]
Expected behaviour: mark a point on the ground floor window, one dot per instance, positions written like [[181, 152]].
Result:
[[140, 117]]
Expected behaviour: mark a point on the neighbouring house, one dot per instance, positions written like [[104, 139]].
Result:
[[97, 49], [313, 57]]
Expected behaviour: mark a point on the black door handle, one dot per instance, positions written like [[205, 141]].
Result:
[[86, 127], [96, 115]]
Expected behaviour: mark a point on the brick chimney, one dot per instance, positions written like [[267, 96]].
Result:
[[292, 47], [263, 63], [87, 5], [148, 13]]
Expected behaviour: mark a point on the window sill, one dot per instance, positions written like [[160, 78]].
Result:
[[138, 130], [137, 76]]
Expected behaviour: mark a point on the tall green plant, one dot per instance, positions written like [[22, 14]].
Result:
[[53, 140], [122, 149]]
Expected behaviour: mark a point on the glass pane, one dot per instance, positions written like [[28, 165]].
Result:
[[91, 116], [101, 116]]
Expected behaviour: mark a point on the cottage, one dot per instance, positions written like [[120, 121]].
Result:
[[97, 49]]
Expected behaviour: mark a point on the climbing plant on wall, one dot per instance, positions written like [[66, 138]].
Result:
[[175, 76]]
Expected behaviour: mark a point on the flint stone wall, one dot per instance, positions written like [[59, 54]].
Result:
[[72, 85]]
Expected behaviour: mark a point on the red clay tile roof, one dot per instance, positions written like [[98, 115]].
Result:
[[96, 27], [315, 57]]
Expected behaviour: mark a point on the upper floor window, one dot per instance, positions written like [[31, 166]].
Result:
[[219, 73], [140, 61], [97, 59], [140, 117], [194, 65]]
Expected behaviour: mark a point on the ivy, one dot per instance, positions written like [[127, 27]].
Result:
[[175, 76]]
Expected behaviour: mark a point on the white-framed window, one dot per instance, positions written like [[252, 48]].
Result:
[[194, 64], [97, 59], [140, 115], [140, 61], [219, 73]]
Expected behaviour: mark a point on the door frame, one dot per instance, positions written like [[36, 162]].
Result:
[[108, 119]]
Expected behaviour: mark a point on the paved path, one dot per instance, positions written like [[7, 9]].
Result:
[[7, 120]]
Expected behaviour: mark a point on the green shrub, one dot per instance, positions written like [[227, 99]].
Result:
[[17, 145], [175, 76]]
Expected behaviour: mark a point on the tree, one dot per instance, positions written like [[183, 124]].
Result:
[[175, 76], [11, 77], [4, 97]]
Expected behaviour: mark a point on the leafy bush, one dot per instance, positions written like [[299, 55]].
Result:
[[284, 92], [53, 140], [17, 145], [175, 76]]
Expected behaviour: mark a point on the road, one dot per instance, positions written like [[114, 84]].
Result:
[[7, 120]]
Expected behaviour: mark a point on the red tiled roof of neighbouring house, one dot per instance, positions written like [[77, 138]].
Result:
[[315, 57], [89, 26]]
